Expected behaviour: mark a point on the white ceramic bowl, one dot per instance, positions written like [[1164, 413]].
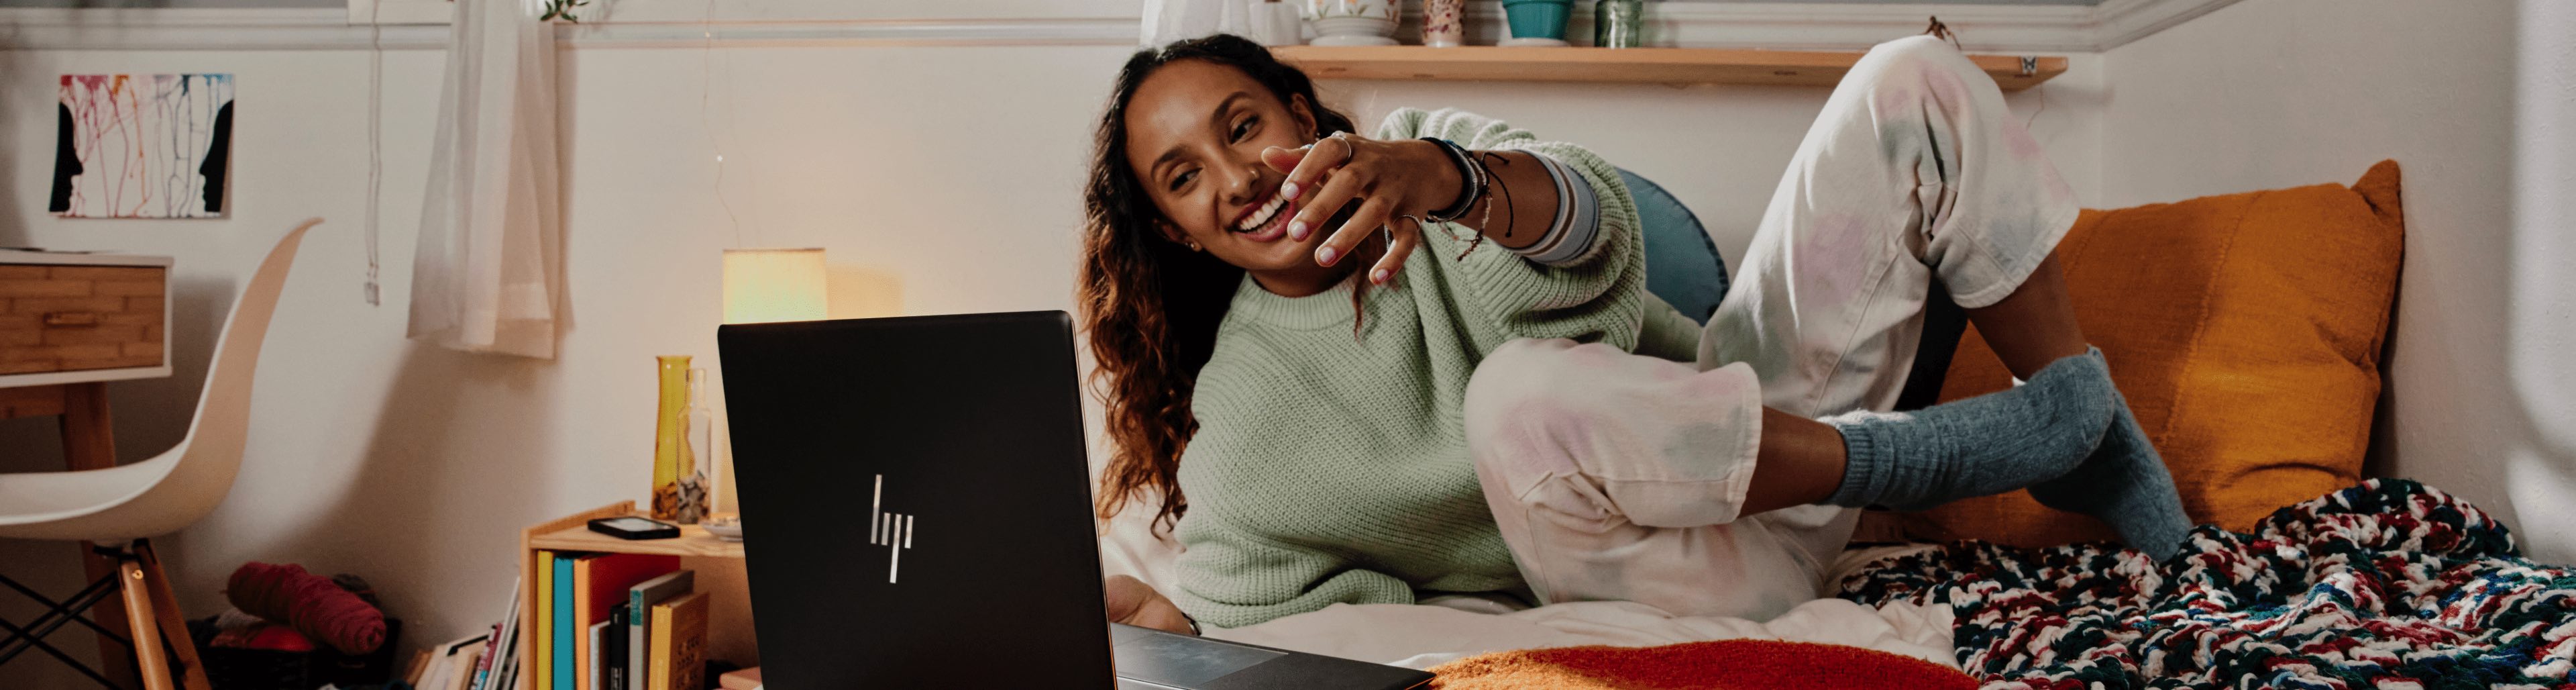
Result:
[[727, 527], [1354, 31]]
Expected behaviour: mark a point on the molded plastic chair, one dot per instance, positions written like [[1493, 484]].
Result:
[[120, 507]]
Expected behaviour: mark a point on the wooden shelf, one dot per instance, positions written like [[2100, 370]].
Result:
[[1628, 65], [694, 541]]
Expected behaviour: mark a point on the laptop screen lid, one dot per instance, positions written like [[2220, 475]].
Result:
[[916, 503]]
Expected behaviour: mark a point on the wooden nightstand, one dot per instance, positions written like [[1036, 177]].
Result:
[[70, 323]]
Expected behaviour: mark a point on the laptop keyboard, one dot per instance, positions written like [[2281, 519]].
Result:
[[1178, 660]]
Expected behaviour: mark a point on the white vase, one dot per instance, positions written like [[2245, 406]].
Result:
[[1276, 24]]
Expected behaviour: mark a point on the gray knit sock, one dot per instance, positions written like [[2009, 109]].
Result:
[[1980, 446], [2124, 483]]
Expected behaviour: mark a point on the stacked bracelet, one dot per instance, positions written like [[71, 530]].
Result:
[[1471, 178]]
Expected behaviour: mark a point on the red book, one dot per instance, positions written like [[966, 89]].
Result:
[[600, 584]]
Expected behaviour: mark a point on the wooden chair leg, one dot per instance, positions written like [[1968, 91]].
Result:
[[174, 625], [148, 661], [88, 444]]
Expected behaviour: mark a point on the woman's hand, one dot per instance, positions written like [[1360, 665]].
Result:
[[1388, 179], [1133, 602]]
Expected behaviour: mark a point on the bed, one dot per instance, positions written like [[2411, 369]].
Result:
[[2255, 369]]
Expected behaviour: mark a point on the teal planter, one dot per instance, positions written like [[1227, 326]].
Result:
[[1538, 18]]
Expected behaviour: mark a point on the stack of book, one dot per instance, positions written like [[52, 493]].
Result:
[[603, 621]]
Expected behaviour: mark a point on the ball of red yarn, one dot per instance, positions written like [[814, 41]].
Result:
[[309, 603]]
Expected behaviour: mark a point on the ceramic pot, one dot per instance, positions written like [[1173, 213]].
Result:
[[1537, 22]]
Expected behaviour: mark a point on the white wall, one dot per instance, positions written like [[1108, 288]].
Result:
[[950, 174], [300, 150], [2541, 466], [2275, 93]]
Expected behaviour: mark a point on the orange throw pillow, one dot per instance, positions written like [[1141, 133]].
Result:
[[1719, 665], [2245, 331]]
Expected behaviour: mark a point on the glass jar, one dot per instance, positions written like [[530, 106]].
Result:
[[1619, 23]]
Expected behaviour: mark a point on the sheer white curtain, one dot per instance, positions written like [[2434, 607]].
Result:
[[489, 275]]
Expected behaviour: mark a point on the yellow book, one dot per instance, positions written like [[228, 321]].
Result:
[[580, 593], [545, 676], [679, 638]]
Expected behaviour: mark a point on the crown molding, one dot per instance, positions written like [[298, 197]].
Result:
[[1117, 31], [317, 28], [1779, 25]]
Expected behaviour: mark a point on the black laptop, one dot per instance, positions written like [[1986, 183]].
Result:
[[917, 514]]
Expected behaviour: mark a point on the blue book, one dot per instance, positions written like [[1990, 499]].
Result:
[[565, 672]]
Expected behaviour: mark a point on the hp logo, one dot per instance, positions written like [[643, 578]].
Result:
[[890, 530]]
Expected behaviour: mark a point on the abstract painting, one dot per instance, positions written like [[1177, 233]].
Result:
[[142, 145]]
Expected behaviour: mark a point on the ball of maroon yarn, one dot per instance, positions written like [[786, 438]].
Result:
[[309, 603]]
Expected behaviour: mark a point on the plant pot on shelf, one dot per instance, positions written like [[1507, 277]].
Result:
[[1537, 22], [1352, 22]]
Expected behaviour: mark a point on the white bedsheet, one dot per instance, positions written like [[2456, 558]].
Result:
[[1422, 636], [1425, 635]]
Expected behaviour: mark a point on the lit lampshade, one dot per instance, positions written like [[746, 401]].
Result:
[[764, 285]]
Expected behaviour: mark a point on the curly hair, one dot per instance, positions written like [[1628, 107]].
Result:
[[1149, 306]]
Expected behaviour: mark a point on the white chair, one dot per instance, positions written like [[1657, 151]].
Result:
[[120, 507]]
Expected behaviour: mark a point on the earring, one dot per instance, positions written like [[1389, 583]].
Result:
[[1194, 245]]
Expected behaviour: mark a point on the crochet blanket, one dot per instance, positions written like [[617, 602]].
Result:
[[2389, 584]]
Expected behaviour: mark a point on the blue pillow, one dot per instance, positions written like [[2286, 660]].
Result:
[[1682, 265]]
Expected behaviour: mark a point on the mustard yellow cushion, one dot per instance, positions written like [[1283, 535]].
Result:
[[2245, 331]]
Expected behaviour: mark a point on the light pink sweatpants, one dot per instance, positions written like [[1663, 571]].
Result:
[[1622, 477]]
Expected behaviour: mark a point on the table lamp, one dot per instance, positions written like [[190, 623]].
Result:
[[764, 286]]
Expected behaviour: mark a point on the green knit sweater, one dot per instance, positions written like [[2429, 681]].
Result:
[[1329, 468]]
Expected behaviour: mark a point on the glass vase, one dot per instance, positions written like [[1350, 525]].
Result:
[[679, 488]]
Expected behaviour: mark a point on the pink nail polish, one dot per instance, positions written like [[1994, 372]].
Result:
[[1378, 277], [1288, 190], [1297, 230], [1324, 256]]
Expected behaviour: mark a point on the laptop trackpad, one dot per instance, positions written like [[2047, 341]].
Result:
[[1182, 661]]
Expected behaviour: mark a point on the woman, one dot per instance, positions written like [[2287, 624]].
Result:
[[1339, 394]]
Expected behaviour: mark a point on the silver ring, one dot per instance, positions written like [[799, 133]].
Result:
[[1350, 151]]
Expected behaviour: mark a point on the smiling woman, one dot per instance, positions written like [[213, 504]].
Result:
[[1517, 421], [1186, 199]]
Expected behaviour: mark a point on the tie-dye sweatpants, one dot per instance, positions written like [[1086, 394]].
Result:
[[1620, 476]]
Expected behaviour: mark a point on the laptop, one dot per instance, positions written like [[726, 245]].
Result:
[[917, 513]]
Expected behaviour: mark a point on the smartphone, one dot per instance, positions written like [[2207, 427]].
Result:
[[634, 528]]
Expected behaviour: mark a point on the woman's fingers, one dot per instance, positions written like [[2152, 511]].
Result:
[[1133, 602], [1320, 205], [1403, 235], [1284, 159], [1374, 212], [1125, 596], [1316, 160]]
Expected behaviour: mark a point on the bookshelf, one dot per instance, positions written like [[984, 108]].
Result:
[[719, 566], [1628, 65]]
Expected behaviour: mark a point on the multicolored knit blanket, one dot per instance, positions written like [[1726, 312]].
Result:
[[2390, 584]]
